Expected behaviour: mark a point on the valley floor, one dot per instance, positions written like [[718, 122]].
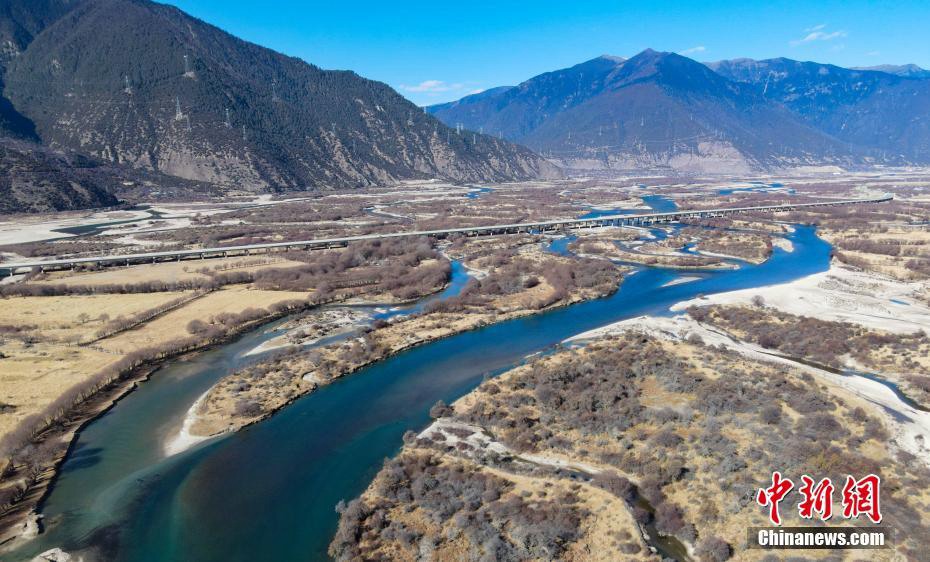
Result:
[[533, 446]]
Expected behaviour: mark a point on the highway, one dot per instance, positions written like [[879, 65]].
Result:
[[487, 230]]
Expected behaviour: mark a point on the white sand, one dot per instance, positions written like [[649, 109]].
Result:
[[184, 440], [479, 440], [839, 294], [36, 229], [910, 429], [474, 271], [783, 243], [336, 321], [681, 280]]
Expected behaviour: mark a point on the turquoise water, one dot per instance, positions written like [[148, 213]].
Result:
[[478, 192], [658, 203], [267, 492], [458, 280], [757, 187]]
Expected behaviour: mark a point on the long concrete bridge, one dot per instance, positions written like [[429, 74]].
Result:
[[487, 230]]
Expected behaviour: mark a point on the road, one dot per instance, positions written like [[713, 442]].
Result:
[[487, 230]]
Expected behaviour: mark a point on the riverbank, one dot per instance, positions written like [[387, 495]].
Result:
[[910, 426], [840, 294], [291, 378], [21, 520], [323, 448], [649, 412], [76, 352]]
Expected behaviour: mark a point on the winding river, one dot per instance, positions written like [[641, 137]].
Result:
[[268, 492]]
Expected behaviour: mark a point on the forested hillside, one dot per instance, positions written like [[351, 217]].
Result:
[[143, 84]]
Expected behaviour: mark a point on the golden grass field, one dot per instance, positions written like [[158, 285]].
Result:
[[232, 299], [169, 272], [916, 240], [47, 343], [33, 377], [75, 317]]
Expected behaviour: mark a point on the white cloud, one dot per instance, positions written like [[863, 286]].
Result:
[[432, 87], [693, 50], [818, 33], [873, 53]]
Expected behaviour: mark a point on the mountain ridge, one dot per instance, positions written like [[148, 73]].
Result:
[[653, 110], [166, 92], [664, 110]]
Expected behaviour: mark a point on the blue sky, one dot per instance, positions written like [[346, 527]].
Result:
[[433, 52]]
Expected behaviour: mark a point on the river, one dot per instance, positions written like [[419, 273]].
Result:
[[268, 492]]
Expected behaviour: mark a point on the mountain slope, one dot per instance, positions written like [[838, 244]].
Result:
[[653, 110], [514, 112], [885, 114], [33, 179], [144, 84]]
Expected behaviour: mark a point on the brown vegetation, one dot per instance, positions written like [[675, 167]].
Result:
[[828, 343], [682, 434], [520, 281]]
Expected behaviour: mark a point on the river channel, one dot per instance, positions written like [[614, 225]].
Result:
[[268, 492]]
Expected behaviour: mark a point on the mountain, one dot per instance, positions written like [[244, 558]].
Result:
[[905, 70], [144, 84], [884, 114], [655, 110], [34, 179], [20, 21]]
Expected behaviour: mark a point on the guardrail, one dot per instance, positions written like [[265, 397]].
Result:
[[487, 230]]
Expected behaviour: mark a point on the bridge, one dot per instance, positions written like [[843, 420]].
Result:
[[471, 231]]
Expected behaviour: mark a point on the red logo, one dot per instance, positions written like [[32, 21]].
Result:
[[859, 497], [817, 498], [773, 495]]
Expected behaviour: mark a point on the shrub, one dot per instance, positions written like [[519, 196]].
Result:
[[713, 549]]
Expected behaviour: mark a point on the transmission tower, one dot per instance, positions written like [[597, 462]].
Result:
[[228, 123], [177, 109]]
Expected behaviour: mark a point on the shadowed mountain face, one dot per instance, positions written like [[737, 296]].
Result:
[[143, 84], [35, 179], [664, 110], [20, 21]]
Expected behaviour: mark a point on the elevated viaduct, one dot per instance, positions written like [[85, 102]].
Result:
[[486, 230]]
